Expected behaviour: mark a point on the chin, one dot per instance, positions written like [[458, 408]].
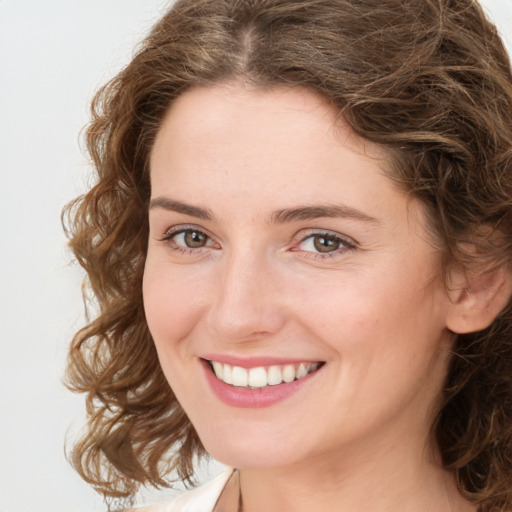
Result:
[[248, 451], [251, 458]]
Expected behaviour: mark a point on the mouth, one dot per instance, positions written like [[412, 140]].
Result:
[[261, 377]]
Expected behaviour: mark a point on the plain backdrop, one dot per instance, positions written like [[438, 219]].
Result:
[[53, 55]]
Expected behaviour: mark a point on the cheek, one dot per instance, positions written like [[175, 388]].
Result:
[[171, 305], [172, 311], [378, 313], [339, 304]]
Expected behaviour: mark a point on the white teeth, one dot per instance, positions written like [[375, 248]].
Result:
[[301, 371], [240, 377], [260, 376], [289, 373], [218, 368], [274, 376], [227, 374], [257, 377]]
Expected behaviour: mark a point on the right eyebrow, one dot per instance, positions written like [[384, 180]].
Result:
[[167, 203]]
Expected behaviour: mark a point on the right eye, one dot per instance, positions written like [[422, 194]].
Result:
[[188, 239], [191, 238]]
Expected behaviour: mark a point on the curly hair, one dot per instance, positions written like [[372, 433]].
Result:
[[429, 80]]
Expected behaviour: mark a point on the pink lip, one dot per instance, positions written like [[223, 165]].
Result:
[[253, 362], [253, 398]]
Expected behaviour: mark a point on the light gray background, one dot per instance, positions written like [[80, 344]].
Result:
[[53, 56]]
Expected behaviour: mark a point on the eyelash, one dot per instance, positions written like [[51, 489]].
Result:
[[345, 243]]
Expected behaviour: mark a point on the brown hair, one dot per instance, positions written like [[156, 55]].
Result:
[[428, 79]]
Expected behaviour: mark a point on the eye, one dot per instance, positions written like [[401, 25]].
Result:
[[322, 243], [191, 238], [326, 243], [188, 239]]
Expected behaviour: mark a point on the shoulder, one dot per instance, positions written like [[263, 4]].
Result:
[[202, 499]]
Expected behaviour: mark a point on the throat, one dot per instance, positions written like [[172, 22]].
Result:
[[248, 492]]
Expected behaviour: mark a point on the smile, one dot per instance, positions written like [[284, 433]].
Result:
[[262, 376]]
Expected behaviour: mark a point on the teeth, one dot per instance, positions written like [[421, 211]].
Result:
[[261, 376], [240, 377], [301, 371], [289, 373], [218, 368], [257, 377], [274, 376], [227, 374]]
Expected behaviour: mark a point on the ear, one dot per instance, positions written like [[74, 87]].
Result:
[[477, 299]]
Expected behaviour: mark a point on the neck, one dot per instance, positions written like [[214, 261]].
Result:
[[368, 478]]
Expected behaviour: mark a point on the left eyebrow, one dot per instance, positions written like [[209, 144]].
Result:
[[319, 211]]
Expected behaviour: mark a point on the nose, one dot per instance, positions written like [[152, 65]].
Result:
[[247, 304]]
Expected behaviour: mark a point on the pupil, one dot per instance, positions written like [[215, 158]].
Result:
[[195, 239], [326, 244]]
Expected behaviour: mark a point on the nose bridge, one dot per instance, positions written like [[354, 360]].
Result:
[[246, 302]]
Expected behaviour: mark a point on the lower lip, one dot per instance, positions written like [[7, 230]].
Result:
[[253, 398]]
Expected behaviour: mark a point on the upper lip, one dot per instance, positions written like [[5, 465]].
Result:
[[253, 362]]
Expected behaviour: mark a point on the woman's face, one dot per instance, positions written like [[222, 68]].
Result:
[[281, 254]]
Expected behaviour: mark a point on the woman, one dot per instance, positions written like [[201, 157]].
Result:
[[300, 244]]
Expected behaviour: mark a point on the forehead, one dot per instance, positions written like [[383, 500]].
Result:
[[210, 128], [286, 145]]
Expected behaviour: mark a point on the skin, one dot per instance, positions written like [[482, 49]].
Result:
[[357, 436]]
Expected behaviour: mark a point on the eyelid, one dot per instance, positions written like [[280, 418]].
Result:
[[303, 234], [180, 228]]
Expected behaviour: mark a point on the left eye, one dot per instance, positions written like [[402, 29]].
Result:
[[323, 243]]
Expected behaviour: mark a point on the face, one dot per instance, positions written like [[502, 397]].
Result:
[[290, 286]]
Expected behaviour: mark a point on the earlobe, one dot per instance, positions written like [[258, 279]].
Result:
[[476, 300]]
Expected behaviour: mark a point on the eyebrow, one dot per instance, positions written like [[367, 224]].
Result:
[[167, 203], [315, 212], [278, 217]]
